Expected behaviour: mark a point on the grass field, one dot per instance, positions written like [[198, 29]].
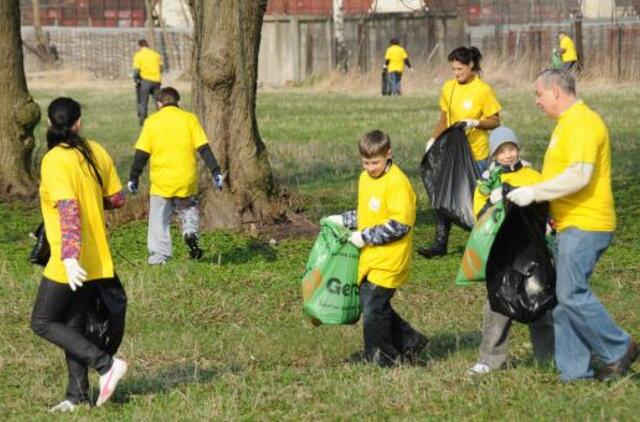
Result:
[[225, 338]]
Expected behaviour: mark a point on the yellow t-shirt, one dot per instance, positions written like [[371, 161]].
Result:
[[66, 175], [473, 100], [570, 54], [581, 136], [171, 136], [526, 176], [396, 55], [379, 200], [149, 63]]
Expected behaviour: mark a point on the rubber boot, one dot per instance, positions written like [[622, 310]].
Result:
[[194, 249], [439, 248]]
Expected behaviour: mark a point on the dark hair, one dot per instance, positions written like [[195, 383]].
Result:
[[63, 113], [374, 143], [143, 43], [394, 41], [169, 96], [466, 55]]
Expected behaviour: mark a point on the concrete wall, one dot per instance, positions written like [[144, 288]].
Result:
[[292, 48]]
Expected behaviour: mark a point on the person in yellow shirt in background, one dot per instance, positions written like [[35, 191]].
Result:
[[395, 59], [170, 139], [577, 182], [469, 99], [147, 72], [78, 181], [505, 151], [567, 50], [383, 222]]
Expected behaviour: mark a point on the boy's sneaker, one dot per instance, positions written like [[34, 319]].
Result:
[[109, 381], [478, 369], [63, 407]]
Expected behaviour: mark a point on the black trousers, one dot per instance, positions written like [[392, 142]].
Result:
[[386, 335], [143, 90], [60, 316]]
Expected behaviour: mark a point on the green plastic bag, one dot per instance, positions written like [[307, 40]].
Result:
[[474, 259], [330, 284], [556, 60]]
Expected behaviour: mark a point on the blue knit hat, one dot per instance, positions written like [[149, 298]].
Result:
[[501, 136]]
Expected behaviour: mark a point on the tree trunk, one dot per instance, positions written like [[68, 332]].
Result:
[[43, 48], [225, 60], [149, 5], [20, 113], [342, 54]]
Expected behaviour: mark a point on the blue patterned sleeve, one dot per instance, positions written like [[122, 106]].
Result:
[[350, 220], [382, 234]]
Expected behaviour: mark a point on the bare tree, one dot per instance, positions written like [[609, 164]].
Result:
[[342, 62], [225, 70], [149, 6], [20, 113]]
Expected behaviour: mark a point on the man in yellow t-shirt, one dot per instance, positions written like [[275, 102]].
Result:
[[567, 50], [577, 182], [395, 59], [147, 70], [383, 222], [170, 139]]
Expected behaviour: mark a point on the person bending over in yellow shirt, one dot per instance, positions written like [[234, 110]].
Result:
[[383, 221], [169, 140], [568, 52], [78, 182], [469, 99], [395, 59], [576, 178], [147, 70], [505, 152]]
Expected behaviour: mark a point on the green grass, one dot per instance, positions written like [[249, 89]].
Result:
[[226, 339]]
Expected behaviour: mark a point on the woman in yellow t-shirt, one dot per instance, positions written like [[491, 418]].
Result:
[[468, 99], [78, 181]]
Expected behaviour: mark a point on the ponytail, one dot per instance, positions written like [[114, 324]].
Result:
[[467, 55], [63, 113]]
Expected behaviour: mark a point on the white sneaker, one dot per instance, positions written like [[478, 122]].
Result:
[[478, 369], [63, 407], [109, 380]]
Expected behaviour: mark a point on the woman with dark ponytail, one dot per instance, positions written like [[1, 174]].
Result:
[[465, 98], [78, 181]]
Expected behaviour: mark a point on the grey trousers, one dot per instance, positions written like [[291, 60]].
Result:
[[146, 89], [495, 338], [160, 212]]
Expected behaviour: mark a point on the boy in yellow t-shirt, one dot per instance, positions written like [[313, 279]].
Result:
[[395, 59], [505, 152], [170, 139], [383, 221]]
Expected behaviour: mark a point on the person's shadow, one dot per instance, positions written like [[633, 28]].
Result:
[[444, 344], [162, 381], [240, 254]]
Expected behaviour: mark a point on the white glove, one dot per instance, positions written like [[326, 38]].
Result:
[[75, 273], [429, 144], [521, 196], [132, 187], [471, 123], [357, 240], [336, 219], [496, 196]]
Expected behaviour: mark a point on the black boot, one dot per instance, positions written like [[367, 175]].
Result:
[[439, 248], [194, 249]]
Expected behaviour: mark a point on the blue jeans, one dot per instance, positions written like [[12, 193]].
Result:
[[581, 324], [394, 81]]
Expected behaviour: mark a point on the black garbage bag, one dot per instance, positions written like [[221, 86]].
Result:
[[385, 86], [40, 253], [105, 316], [449, 174], [521, 278]]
